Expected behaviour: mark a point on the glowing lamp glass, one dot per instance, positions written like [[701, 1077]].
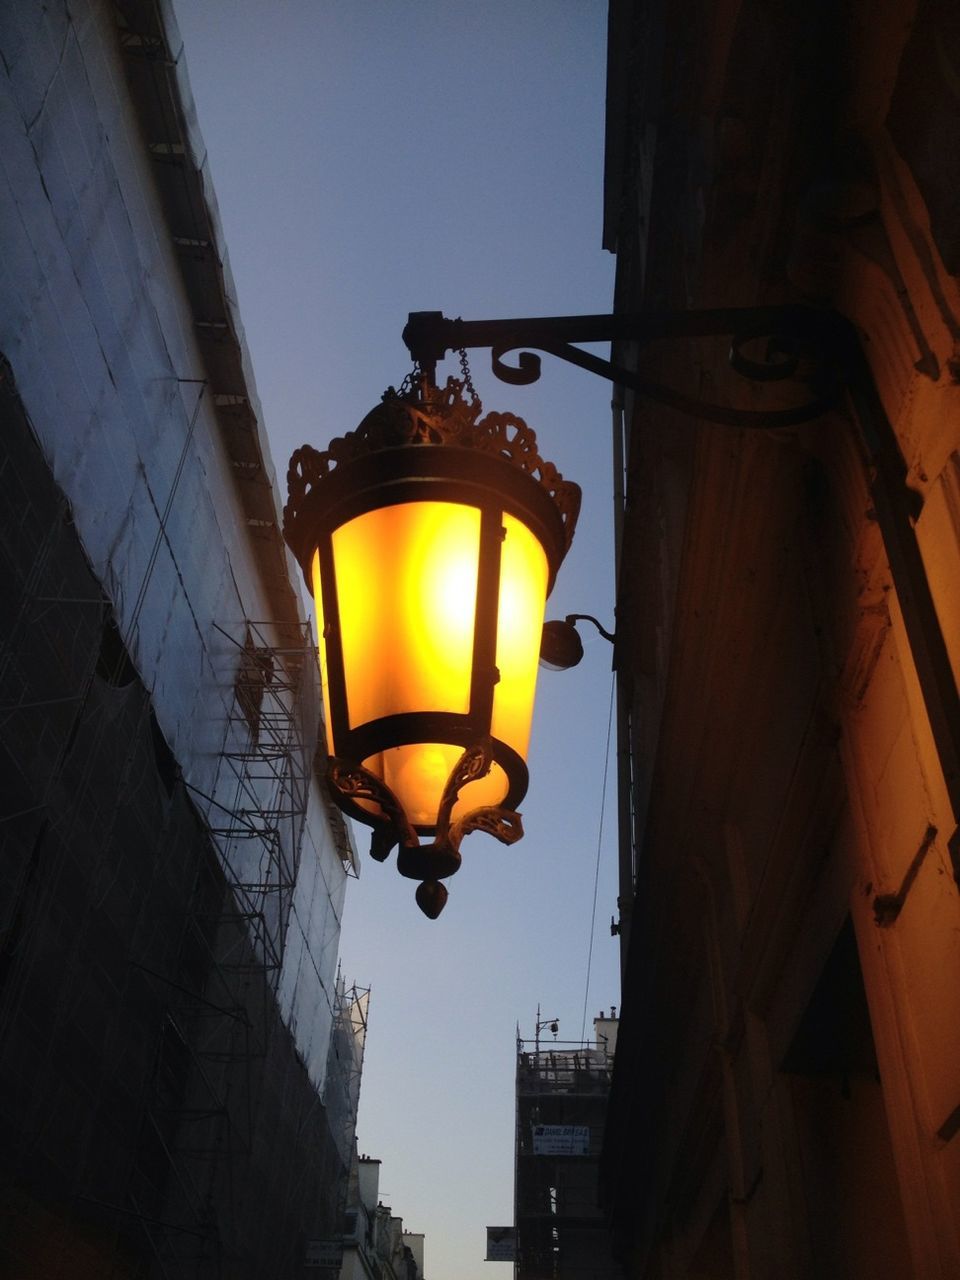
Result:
[[406, 581], [522, 599], [407, 590]]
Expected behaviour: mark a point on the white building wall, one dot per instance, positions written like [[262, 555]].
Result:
[[96, 325], [369, 1183]]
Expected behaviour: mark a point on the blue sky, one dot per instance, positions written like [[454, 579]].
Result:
[[373, 158]]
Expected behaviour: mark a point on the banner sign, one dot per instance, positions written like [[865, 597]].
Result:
[[501, 1244], [561, 1139]]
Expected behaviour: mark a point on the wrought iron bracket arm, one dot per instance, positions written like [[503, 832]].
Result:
[[573, 618], [429, 335], [798, 340]]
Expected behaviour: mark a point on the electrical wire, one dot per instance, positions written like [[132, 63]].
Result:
[[596, 874]]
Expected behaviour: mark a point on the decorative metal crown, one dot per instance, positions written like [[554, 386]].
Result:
[[434, 416]]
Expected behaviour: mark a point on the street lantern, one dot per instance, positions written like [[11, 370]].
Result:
[[430, 538]]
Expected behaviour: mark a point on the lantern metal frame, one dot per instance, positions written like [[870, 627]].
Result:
[[427, 444]]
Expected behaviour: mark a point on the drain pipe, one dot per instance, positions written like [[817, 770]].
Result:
[[625, 891]]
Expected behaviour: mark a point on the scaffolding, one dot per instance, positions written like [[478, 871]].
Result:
[[341, 1097], [562, 1092], [258, 829], [341, 1094], [218, 1029], [140, 968]]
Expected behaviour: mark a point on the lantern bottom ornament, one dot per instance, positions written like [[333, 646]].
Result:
[[428, 863]]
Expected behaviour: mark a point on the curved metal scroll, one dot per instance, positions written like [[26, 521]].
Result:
[[784, 354], [353, 782], [526, 371], [504, 825]]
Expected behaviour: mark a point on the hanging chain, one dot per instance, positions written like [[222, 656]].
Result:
[[411, 381], [467, 379], [414, 383]]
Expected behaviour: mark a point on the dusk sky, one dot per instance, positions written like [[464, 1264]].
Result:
[[372, 158]]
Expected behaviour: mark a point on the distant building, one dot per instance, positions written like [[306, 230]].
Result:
[[375, 1245], [179, 1063], [562, 1091]]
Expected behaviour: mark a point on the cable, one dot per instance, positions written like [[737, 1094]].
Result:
[[596, 874]]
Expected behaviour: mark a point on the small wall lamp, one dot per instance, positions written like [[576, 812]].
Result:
[[561, 647]]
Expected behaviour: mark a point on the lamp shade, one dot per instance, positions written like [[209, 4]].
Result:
[[430, 539]]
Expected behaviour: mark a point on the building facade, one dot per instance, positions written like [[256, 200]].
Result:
[[375, 1245], [786, 1094], [562, 1089], [179, 1062]]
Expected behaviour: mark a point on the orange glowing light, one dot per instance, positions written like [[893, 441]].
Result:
[[406, 587]]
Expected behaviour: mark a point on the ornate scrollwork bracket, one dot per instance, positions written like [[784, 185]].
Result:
[[428, 863], [806, 346]]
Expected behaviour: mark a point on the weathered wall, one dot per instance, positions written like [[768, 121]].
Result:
[[786, 1094]]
